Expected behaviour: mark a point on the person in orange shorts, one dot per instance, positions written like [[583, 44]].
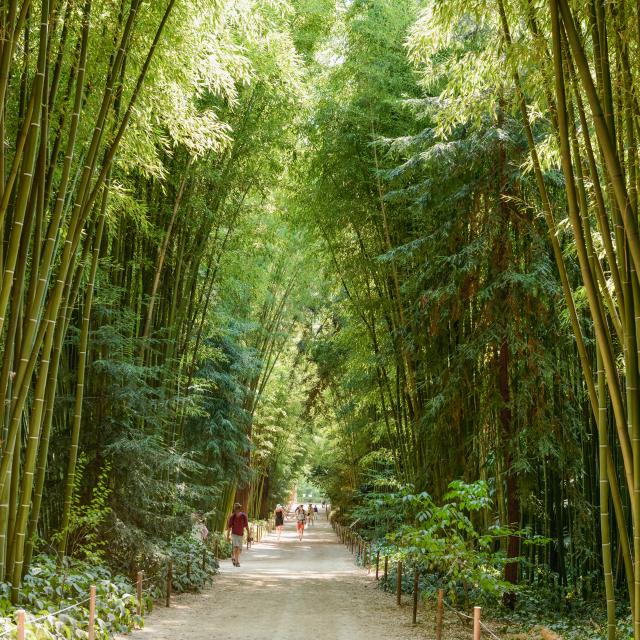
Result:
[[301, 518]]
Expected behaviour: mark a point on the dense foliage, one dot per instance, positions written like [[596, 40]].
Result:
[[387, 246]]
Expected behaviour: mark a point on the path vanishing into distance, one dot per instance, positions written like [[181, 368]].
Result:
[[287, 590]]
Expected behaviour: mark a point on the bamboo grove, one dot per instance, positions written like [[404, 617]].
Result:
[[475, 189], [141, 141], [378, 243]]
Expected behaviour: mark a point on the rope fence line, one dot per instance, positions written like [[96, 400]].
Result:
[[363, 551], [56, 613], [21, 615]]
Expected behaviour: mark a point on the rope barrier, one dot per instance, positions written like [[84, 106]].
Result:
[[49, 615], [75, 605], [57, 613], [20, 613]]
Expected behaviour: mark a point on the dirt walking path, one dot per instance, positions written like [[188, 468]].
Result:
[[287, 590]]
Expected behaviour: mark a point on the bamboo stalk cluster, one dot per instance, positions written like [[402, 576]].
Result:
[[61, 129], [594, 115]]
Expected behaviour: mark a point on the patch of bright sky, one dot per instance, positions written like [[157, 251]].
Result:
[[333, 53]]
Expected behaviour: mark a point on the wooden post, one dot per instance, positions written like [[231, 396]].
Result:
[[378, 565], [399, 583], [139, 592], [416, 577], [92, 613], [476, 623], [386, 570], [169, 579], [439, 612], [204, 560], [20, 622], [189, 568], [215, 549]]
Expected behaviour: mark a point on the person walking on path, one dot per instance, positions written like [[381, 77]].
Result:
[[301, 518], [238, 522], [279, 520], [310, 514]]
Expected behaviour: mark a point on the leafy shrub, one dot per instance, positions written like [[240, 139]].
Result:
[[442, 539], [49, 588], [193, 563], [135, 551]]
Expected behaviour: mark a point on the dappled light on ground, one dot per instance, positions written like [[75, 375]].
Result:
[[286, 589]]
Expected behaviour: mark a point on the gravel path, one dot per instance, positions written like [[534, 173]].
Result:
[[287, 590]]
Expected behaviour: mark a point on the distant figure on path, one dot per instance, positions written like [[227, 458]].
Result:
[[238, 522], [310, 514], [279, 520], [301, 518]]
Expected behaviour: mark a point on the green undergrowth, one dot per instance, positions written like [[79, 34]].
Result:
[[49, 588], [450, 546], [571, 617]]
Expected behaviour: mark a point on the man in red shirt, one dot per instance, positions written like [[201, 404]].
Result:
[[238, 522]]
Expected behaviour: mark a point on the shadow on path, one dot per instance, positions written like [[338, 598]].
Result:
[[288, 590]]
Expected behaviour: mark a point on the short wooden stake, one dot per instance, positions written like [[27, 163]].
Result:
[[169, 580], [20, 622], [416, 577], [139, 592], [399, 583], [439, 612], [215, 549], [386, 570], [476, 623], [92, 613], [378, 565], [204, 560]]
